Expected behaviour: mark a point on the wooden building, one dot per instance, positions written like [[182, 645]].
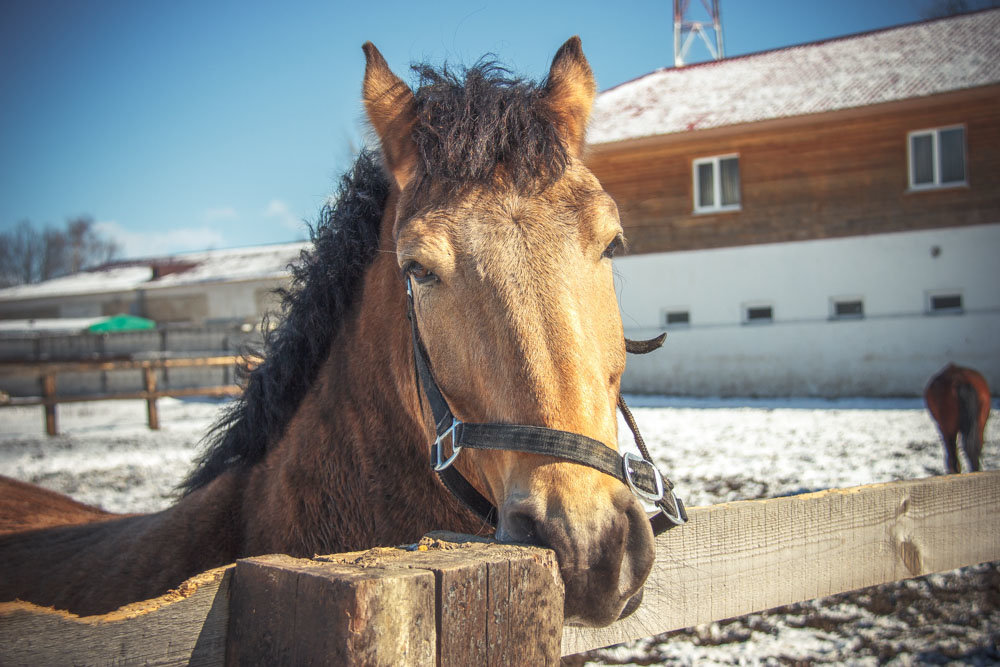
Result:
[[843, 192]]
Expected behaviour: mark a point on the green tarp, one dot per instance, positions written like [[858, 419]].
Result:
[[122, 323]]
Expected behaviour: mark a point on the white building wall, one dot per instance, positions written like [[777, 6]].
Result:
[[225, 300], [891, 352]]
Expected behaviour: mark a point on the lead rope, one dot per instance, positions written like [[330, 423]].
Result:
[[630, 420], [668, 516]]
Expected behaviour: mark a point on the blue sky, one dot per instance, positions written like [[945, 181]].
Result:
[[187, 125]]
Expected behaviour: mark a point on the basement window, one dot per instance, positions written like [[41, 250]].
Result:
[[716, 184], [937, 158], [847, 308], [758, 313], [941, 302], [676, 318]]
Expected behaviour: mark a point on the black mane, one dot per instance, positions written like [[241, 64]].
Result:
[[471, 127], [482, 122], [324, 284]]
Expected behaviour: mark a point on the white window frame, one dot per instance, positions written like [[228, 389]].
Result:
[[675, 325], [849, 298], [935, 133], [747, 306], [716, 184], [929, 300]]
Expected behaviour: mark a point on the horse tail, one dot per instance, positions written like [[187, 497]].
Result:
[[968, 422]]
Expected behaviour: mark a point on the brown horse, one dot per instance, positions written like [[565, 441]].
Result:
[[480, 202], [959, 400]]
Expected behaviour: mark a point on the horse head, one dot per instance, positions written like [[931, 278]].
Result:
[[506, 241]]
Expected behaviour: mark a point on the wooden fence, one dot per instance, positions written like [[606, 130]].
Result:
[[50, 398], [450, 602]]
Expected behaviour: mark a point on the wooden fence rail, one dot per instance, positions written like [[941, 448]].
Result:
[[49, 371], [483, 603]]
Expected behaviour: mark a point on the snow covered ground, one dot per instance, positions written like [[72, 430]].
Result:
[[714, 450]]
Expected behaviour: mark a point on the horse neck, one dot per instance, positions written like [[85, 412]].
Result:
[[352, 470]]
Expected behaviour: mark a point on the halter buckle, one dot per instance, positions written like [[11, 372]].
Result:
[[628, 458], [440, 463], [679, 517]]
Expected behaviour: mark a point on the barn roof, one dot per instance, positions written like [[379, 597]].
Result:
[[190, 268], [889, 65]]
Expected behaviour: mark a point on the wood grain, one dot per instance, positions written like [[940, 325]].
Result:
[[186, 626], [748, 556], [496, 604], [295, 611]]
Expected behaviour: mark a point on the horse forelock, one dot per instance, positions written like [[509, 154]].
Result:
[[481, 123], [324, 285]]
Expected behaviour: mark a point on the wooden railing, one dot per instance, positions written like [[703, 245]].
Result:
[[450, 603], [50, 398]]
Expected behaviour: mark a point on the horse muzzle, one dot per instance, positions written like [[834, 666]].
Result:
[[604, 556]]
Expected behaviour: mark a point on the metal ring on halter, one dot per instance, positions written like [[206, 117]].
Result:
[[675, 518], [629, 457], [440, 463]]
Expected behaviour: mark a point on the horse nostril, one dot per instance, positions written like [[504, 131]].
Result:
[[518, 525]]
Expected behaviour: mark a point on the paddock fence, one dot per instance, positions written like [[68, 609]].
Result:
[[146, 385], [456, 600]]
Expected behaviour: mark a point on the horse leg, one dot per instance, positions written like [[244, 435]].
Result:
[[972, 443], [951, 453], [969, 424]]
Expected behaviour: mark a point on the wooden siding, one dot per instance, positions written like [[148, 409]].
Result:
[[825, 176]]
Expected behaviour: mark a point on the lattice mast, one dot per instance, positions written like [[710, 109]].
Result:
[[686, 29]]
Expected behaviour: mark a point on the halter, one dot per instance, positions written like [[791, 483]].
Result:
[[640, 475]]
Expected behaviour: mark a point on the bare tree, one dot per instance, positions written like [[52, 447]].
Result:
[[28, 255], [53, 254], [21, 251], [85, 247]]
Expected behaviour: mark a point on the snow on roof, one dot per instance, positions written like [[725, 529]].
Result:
[[117, 279], [231, 265], [855, 71], [260, 262], [55, 325]]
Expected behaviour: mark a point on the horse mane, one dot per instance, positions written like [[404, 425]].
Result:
[[481, 122], [324, 284], [472, 127]]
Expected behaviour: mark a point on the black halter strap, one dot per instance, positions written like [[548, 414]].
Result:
[[639, 474]]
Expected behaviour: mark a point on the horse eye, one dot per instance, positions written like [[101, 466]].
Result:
[[419, 272], [613, 247]]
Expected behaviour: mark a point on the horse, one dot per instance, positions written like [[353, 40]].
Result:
[[29, 507], [476, 224], [958, 399]]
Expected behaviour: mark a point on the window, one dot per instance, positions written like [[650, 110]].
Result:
[[937, 158], [846, 308], [677, 318], [941, 302], [717, 184], [758, 313]]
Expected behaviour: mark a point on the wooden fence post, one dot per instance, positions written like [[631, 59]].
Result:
[[49, 396], [152, 416], [453, 604]]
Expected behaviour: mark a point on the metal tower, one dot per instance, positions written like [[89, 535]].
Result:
[[685, 30]]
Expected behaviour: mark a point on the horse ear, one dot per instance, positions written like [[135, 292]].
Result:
[[569, 93], [391, 110]]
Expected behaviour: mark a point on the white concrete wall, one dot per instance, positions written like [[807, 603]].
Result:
[[225, 300], [891, 352]]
